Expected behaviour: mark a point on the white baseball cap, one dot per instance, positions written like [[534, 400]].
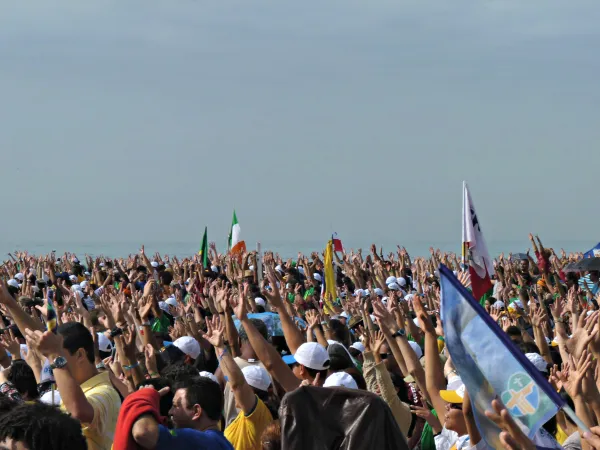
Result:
[[394, 286], [260, 301], [340, 379], [312, 355], [154, 264], [188, 345], [379, 292], [206, 374], [401, 281], [390, 280], [257, 377], [358, 346], [318, 277], [14, 283], [538, 362], [72, 278], [171, 301], [19, 276], [84, 284]]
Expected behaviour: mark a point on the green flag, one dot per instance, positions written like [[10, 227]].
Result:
[[204, 249]]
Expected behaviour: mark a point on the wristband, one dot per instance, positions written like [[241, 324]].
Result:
[[100, 366], [133, 366], [222, 354]]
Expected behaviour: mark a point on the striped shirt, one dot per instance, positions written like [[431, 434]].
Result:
[[106, 402]]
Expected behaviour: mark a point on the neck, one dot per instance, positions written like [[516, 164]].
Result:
[[84, 373], [247, 352], [207, 425]]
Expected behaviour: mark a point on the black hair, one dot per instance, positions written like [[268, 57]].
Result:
[[6, 404], [270, 400], [76, 336], [259, 325], [399, 383], [166, 278], [165, 400], [179, 372], [340, 331], [204, 392], [23, 379], [313, 372], [513, 331], [529, 347], [42, 427]]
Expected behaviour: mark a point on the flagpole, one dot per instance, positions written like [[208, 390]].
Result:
[[259, 262], [569, 412]]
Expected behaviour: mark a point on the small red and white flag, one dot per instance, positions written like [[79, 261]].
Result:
[[337, 243], [475, 252]]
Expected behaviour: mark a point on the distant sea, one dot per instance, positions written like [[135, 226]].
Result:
[[285, 249]]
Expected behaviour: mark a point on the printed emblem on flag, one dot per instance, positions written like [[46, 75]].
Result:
[[522, 396]]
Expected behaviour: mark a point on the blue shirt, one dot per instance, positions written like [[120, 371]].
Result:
[[188, 438]]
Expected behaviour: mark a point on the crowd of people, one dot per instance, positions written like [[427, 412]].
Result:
[[251, 352]]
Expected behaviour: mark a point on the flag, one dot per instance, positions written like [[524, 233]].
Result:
[[51, 320], [490, 365], [594, 252], [475, 253], [337, 243], [329, 286], [204, 249], [236, 244]]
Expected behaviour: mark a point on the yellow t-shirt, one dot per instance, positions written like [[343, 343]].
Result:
[[106, 402], [245, 431]]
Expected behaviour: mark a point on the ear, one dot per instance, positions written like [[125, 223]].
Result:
[[197, 412], [187, 360]]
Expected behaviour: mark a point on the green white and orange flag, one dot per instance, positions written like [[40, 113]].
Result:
[[236, 243]]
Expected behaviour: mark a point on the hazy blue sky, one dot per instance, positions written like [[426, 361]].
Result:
[[138, 121]]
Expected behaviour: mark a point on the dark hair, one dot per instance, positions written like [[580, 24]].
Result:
[[313, 372], [179, 372], [76, 336], [166, 278], [340, 331], [360, 380], [23, 378], [165, 400], [259, 325], [6, 404], [513, 331], [42, 427], [204, 392], [529, 347]]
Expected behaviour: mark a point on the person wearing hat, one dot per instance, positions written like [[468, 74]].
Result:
[[250, 387]]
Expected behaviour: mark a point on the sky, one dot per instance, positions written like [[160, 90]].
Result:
[[146, 120]]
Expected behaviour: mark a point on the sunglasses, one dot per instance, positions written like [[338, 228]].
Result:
[[384, 355], [456, 406]]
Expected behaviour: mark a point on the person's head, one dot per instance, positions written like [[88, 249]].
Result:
[[78, 342], [245, 346], [179, 372], [270, 438], [453, 419], [340, 331], [312, 359], [594, 276], [385, 352], [35, 426], [190, 347], [524, 265], [23, 379], [197, 404], [514, 333]]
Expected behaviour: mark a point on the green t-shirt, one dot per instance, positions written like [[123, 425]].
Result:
[[161, 324], [427, 439]]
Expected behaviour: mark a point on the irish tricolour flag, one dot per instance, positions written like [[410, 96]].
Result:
[[236, 243], [475, 252]]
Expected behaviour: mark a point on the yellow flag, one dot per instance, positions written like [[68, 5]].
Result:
[[330, 288]]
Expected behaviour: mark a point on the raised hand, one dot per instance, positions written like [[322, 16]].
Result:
[[215, 330]]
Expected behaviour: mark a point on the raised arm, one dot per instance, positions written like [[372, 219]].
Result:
[[244, 395], [266, 353]]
